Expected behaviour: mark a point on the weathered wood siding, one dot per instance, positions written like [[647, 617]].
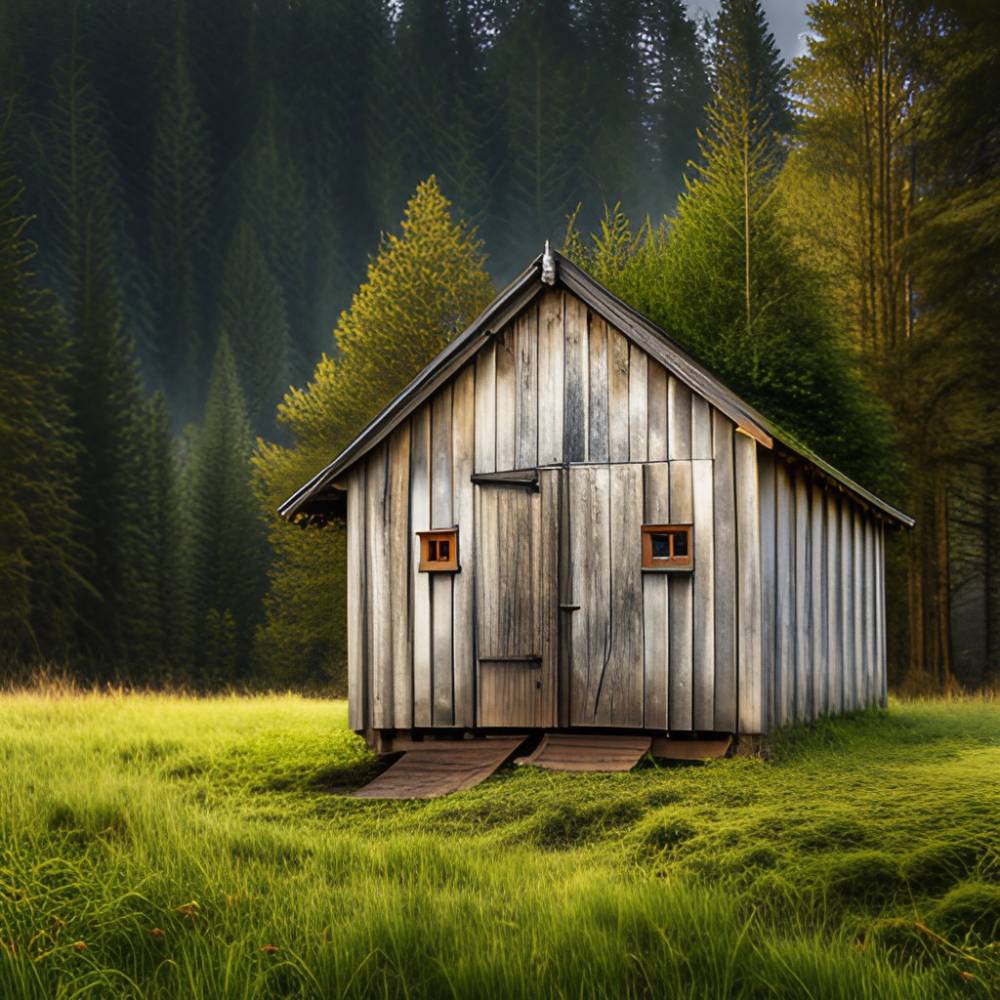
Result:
[[781, 619], [822, 596]]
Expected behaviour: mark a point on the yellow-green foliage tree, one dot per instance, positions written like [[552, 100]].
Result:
[[424, 286]]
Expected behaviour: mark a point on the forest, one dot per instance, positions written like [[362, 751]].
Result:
[[230, 231]]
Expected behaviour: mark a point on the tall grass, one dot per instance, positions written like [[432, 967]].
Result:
[[155, 846]]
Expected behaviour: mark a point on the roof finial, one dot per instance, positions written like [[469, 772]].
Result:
[[548, 266]]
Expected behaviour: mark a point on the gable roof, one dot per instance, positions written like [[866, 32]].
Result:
[[317, 498]]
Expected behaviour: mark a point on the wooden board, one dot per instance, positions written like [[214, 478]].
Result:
[[588, 752], [486, 410], [724, 502], [420, 583], [506, 398], [618, 397], [442, 768], [526, 390], [463, 502], [638, 430], [357, 717], [656, 410], [577, 383], [397, 528], [671, 749], [703, 638], [597, 449], [442, 516], [681, 600], [751, 689], [655, 587], [550, 378]]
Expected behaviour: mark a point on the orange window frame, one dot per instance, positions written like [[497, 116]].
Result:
[[438, 551], [673, 562]]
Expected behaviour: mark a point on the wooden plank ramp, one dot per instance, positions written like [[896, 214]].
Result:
[[667, 749], [440, 767], [588, 752]]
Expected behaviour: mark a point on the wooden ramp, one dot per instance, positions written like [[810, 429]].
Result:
[[588, 752], [668, 749], [435, 768]]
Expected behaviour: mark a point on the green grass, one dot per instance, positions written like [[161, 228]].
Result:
[[156, 846]]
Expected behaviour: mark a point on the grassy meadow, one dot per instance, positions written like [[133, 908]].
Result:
[[160, 846]]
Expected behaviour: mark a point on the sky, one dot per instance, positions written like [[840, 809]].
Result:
[[787, 19]]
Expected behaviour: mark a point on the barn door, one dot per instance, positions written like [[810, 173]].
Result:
[[604, 591], [516, 536]]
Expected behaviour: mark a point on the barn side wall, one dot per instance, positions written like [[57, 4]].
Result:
[[822, 613], [558, 386]]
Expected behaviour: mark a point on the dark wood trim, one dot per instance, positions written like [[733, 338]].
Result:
[[518, 480], [521, 661]]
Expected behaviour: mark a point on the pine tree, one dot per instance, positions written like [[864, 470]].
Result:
[[424, 286], [180, 226], [746, 61], [252, 318], [272, 202], [675, 90], [39, 581], [725, 278], [227, 558]]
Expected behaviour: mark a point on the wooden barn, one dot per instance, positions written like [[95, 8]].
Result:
[[566, 524]]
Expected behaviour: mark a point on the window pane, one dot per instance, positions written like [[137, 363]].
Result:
[[443, 548], [661, 546], [681, 543]]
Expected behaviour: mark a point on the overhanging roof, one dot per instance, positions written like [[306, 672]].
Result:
[[316, 495]]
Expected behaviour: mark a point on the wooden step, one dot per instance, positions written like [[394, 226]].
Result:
[[588, 752], [444, 766]]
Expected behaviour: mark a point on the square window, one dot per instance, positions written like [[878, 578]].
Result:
[[666, 547], [438, 551]]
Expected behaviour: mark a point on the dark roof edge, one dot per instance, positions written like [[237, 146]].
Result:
[[649, 336]]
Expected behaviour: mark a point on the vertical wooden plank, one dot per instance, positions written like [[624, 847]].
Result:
[[817, 614], [656, 624], [590, 542], [577, 380], [398, 529], [597, 450], [549, 512], [833, 603], [751, 715], [724, 505], [804, 667], [463, 450], [489, 565], [847, 606], [681, 607], [550, 378], [701, 427], [620, 700], [770, 665], [784, 674], [703, 670], [506, 398], [656, 406], [871, 694], [679, 419], [618, 396], [442, 516], [356, 590], [526, 389], [567, 596], [420, 583], [858, 616], [883, 663], [638, 396], [486, 409], [379, 601]]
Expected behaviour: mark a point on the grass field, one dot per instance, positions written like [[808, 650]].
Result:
[[156, 846]]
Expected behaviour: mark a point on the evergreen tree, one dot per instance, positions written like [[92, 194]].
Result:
[[227, 558], [252, 318], [746, 62], [675, 88], [180, 216], [425, 285], [118, 622], [272, 202], [724, 277], [39, 581]]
